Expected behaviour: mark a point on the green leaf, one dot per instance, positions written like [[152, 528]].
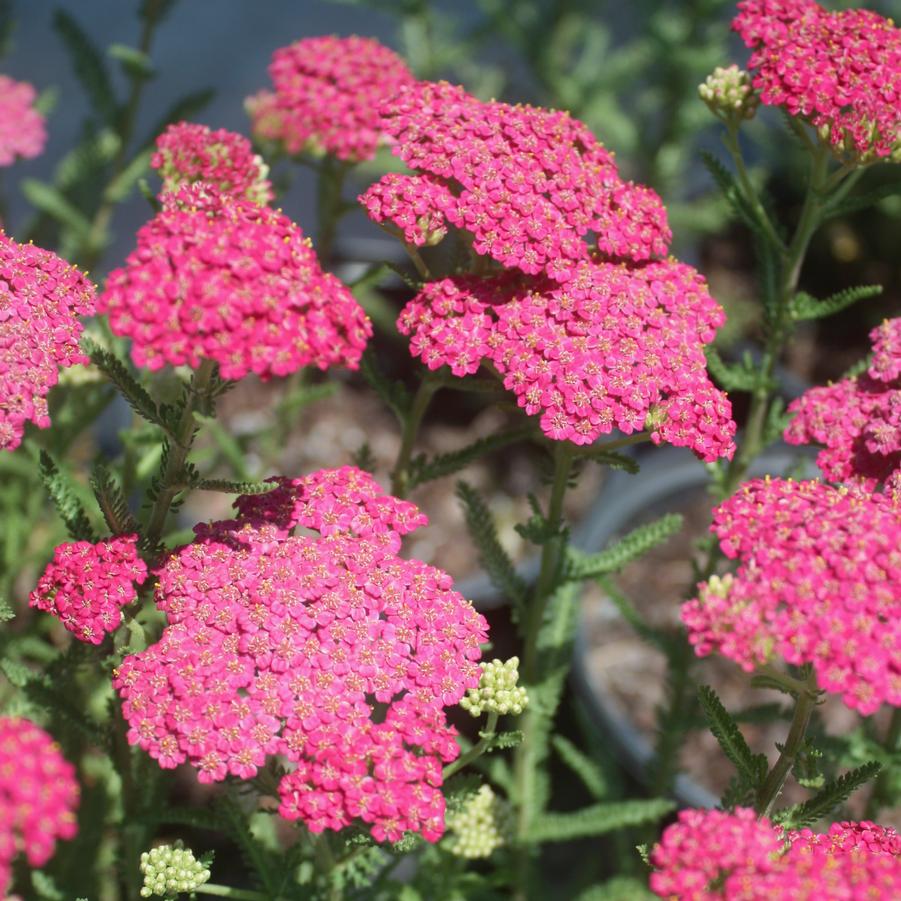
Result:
[[582, 765], [751, 767], [537, 528], [494, 558], [777, 421], [598, 819], [49, 200], [135, 63], [112, 502], [6, 611], [228, 487], [185, 108], [124, 183], [824, 802], [258, 859], [90, 67], [128, 386], [630, 613], [504, 740], [423, 469], [733, 376], [392, 393], [862, 201], [18, 674], [612, 459], [68, 505], [46, 888], [581, 566], [804, 306], [730, 189]]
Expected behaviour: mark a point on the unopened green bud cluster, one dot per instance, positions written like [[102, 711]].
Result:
[[729, 93], [479, 827], [497, 691], [171, 869]]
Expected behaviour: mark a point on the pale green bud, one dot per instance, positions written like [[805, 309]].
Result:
[[171, 870], [729, 93], [479, 827], [497, 691]]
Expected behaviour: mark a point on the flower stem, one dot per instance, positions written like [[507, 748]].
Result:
[[804, 704], [182, 439], [325, 864], [330, 205], [476, 751], [226, 891], [400, 475]]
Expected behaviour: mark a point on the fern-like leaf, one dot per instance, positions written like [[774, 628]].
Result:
[[828, 798], [805, 306], [864, 201], [6, 611], [112, 502], [590, 774], [751, 767], [257, 858], [504, 740], [494, 558], [392, 393], [610, 458], [89, 65], [729, 188], [226, 486], [127, 385], [67, 504], [733, 376], [423, 469], [598, 819], [582, 566]]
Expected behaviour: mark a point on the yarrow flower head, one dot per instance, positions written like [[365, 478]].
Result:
[[187, 152], [22, 131], [840, 71], [86, 585], [327, 649], [479, 827], [328, 91], [220, 278], [819, 583], [38, 796], [497, 691], [171, 870], [614, 347], [857, 419], [530, 185], [41, 298], [729, 94], [711, 854]]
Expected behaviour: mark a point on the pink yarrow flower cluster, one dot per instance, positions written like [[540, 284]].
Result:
[[86, 585], [611, 347], [857, 419], [328, 91], [38, 796], [326, 649], [530, 185], [41, 298], [711, 854], [22, 131], [187, 152], [819, 583], [841, 71], [220, 278]]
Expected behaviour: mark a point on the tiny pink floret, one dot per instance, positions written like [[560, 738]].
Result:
[[22, 130]]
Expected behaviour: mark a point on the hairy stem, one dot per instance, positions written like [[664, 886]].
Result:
[[804, 704]]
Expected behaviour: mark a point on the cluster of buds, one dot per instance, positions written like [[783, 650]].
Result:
[[479, 827], [171, 869], [497, 691], [729, 94]]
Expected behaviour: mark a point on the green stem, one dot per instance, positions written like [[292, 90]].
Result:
[[418, 261], [892, 745], [805, 702], [589, 450], [325, 864], [226, 891], [476, 751], [423, 397], [182, 439], [97, 235], [330, 205]]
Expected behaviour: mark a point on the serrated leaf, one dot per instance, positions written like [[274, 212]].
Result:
[[65, 500], [112, 502], [423, 469], [88, 63], [581, 566], [729, 188], [862, 201], [135, 63], [825, 801], [804, 306], [612, 459], [228, 487], [6, 611], [732, 376], [503, 740], [17, 673], [49, 200], [597, 819], [751, 767], [127, 385], [590, 774], [494, 558]]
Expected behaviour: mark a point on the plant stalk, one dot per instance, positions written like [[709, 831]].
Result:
[[892, 745], [476, 751], [400, 475]]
